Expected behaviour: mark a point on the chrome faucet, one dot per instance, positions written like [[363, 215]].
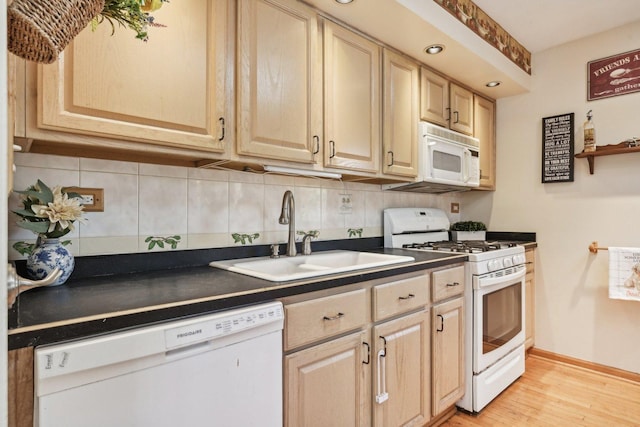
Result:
[[288, 216]]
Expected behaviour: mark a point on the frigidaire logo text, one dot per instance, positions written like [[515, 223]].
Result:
[[189, 333]]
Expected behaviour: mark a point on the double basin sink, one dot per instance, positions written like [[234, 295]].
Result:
[[305, 266]]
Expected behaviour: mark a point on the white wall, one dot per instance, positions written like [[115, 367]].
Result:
[[574, 315]]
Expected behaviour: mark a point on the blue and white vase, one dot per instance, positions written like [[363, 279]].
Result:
[[47, 255]]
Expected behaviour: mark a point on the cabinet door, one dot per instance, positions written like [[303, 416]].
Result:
[[329, 384], [352, 100], [400, 115], [401, 375], [169, 90], [484, 123], [530, 300], [11, 114], [461, 101], [279, 80], [448, 354], [434, 98], [20, 385]]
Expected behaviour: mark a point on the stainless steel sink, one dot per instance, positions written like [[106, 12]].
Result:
[[304, 266]]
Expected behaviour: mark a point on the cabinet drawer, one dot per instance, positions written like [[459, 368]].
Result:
[[309, 321], [401, 296], [447, 283]]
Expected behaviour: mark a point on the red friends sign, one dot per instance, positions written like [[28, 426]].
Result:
[[614, 75]]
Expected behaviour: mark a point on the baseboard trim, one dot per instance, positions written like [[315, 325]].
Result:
[[608, 370]]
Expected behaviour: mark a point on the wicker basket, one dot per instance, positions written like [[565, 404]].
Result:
[[38, 30]]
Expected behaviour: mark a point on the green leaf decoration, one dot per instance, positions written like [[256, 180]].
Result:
[[154, 241], [24, 248], [353, 232], [36, 227], [243, 238]]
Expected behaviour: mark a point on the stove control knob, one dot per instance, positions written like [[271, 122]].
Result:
[[518, 259], [508, 262], [494, 264]]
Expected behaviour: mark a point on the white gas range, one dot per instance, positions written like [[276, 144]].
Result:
[[494, 299]]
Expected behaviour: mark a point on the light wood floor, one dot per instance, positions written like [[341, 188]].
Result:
[[556, 394]]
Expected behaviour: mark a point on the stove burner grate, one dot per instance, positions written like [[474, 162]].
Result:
[[467, 246]]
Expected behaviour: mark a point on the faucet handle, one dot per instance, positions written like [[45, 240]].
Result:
[[275, 251], [306, 242]]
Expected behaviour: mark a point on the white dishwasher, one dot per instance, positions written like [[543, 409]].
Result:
[[222, 369]]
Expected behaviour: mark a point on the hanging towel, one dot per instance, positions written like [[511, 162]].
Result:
[[624, 273]]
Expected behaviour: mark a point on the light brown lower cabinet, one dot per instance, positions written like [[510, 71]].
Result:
[[20, 387], [448, 352], [329, 384], [530, 299], [380, 374], [447, 337], [401, 372]]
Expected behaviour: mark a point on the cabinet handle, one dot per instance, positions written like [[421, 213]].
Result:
[[390, 152], [368, 353], [316, 140], [407, 297], [332, 149], [336, 317], [382, 395], [441, 323], [457, 117], [448, 114], [221, 120], [453, 284]]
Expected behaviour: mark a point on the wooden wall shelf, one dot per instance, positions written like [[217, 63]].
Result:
[[607, 150]]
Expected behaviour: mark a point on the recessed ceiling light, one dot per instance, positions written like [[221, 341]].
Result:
[[434, 49], [344, 1], [493, 83]]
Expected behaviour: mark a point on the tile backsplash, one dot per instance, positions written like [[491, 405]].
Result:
[[152, 207]]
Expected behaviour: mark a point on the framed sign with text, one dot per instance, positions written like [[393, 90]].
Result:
[[557, 148], [614, 75]]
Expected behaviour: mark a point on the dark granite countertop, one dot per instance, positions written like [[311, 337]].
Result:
[[116, 292], [89, 306]]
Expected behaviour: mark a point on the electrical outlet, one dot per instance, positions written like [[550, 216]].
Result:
[[87, 199], [92, 198], [346, 206], [455, 207]]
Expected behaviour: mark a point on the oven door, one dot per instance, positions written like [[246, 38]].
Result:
[[498, 310]]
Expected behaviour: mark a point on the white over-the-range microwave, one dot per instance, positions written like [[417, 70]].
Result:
[[447, 161]]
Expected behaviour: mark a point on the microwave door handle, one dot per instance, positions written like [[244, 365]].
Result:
[[431, 166], [465, 165]]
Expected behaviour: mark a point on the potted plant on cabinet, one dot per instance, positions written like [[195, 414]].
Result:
[[468, 230]]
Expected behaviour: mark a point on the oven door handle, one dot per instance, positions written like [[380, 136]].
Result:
[[509, 279]]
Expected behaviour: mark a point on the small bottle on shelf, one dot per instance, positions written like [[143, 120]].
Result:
[[589, 134]]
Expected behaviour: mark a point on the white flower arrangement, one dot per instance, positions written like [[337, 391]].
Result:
[[49, 213]]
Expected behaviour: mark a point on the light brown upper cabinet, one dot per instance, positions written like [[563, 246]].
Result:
[[445, 103], [484, 123], [167, 91], [434, 98], [351, 100], [400, 115], [279, 81]]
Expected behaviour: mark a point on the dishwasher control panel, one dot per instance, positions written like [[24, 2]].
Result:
[[224, 325]]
